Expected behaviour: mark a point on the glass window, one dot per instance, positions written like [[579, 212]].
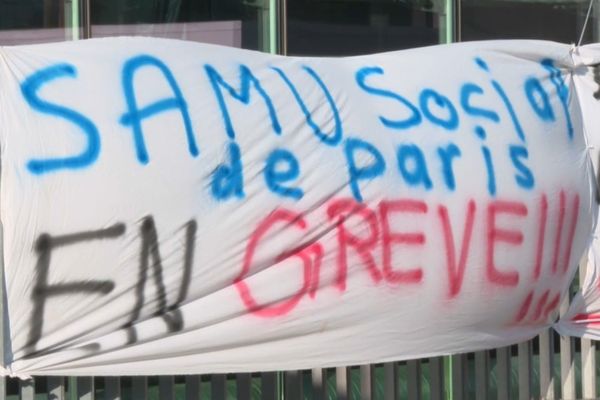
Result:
[[557, 20], [349, 27], [239, 23], [36, 21]]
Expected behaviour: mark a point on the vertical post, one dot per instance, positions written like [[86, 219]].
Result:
[[86, 18], [367, 378], [282, 24], [342, 382], [588, 368], [280, 385], [457, 25], [273, 26], [547, 364], [67, 18], [503, 357], [446, 22], [75, 19], [266, 11], [72, 18], [390, 385], [72, 394], [567, 359], [588, 347], [525, 370], [448, 377], [319, 382]]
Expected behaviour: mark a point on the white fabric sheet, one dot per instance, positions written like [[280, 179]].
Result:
[[173, 207]]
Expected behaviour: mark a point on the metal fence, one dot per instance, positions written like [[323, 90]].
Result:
[[547, 367]]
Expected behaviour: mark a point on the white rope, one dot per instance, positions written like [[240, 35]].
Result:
[[587, 18]]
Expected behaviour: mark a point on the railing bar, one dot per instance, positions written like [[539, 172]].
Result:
[[414, 379], [85, 388], [567, 361], [27, 389], [243, 383], [503, 369], [218, 386], [546, 340], [269, 386], [112, 388], [56, 387], [367, 380], [588, 352], [139, 388], [482, 373], [342, 382], [588, 369], [390, 385], [436, 378], [319, 380], [525, 369], [72, 386]]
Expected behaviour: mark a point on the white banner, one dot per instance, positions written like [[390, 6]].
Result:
[[173, 207], [583, 316]]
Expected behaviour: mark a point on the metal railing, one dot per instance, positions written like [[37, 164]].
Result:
[[547, 367], [530, 370]]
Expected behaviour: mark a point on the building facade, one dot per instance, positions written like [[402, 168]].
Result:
[[299, 27]]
